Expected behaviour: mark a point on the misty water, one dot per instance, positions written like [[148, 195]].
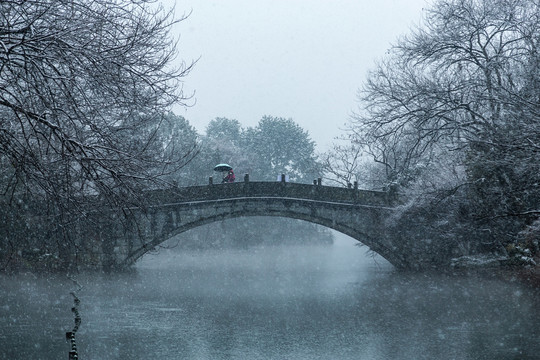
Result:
[[313, 302]]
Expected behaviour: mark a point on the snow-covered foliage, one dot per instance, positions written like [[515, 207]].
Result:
[[84, 89], [452, 116]]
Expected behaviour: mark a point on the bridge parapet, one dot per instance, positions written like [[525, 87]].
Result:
[[270, 189]]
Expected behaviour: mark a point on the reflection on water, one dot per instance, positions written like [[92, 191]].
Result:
[[270, 303]]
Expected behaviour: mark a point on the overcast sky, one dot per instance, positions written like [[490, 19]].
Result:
[[299, 59]]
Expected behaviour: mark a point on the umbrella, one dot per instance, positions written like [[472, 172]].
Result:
[[222, 167]]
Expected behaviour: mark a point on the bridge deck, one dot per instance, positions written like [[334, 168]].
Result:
[[270, 189]]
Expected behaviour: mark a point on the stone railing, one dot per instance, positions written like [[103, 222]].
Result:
[[280, 189]]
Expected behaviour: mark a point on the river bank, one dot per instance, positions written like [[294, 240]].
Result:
[[487, 266], [529, 276]]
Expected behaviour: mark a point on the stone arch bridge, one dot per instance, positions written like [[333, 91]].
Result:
[[360, 214]]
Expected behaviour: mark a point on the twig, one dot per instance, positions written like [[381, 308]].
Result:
[[70, 335]]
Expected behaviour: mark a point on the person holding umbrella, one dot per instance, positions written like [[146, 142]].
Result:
[[229, 178]]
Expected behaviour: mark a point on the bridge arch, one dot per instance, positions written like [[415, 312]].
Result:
[[365, 223]]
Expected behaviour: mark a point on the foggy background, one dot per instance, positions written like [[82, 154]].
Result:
[[294, 59]]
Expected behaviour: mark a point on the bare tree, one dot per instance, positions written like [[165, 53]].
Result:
[[346, 164], [453, 82], [78, 79], [462, 88], [84, 86]]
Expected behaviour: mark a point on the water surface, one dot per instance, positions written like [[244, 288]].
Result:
[[329, 302]]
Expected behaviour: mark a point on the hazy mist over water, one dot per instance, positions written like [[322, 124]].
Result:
[[301, 302]]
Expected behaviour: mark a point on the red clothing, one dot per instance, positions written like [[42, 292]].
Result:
[[229, 178]]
